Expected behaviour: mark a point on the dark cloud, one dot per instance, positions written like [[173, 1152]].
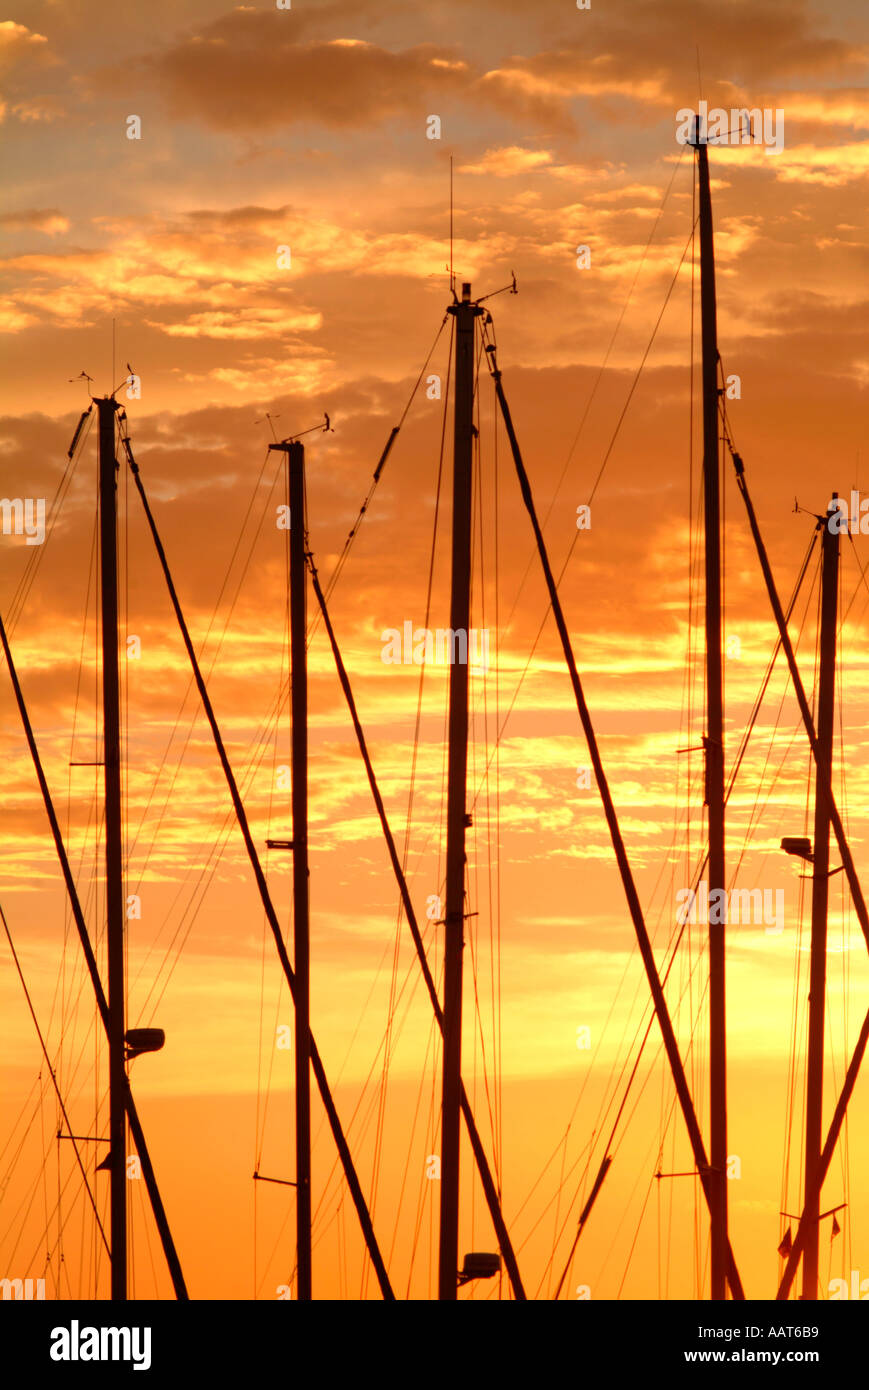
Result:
[[49, 220], [640, 39], [252, 70]]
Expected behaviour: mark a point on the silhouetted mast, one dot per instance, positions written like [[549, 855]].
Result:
[[136, 1130], [714, 740], [820, 897], [825, 789], [454, 919], [332, 1116], [108, 467], [301, 936]]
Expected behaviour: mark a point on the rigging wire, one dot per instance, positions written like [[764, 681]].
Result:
[[600, 473], [731, 782], [35, 554], [342, 558], [415, 753], [51, 1073], [599, 377], [487, 323]]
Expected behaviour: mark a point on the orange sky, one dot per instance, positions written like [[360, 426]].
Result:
[[306, 129]]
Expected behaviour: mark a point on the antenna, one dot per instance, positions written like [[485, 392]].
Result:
[[83, 375], [269, 418], [325, 428]]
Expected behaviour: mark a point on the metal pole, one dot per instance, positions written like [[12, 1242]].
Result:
[[301, 941], [454, 918], [714, 742], [820, 895], [106, 408], [824, 787]]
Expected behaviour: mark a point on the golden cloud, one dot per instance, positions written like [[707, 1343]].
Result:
[[507, 161]]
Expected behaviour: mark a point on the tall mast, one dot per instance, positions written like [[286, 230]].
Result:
[[820, 895], [714, 741], [108, 466], [301, 939], [454, 920], [317, 1067]]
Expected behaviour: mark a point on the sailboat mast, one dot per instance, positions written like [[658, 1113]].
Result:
[[301, 938], [714, 741], [108, 466], [454, 918], [820, 896]]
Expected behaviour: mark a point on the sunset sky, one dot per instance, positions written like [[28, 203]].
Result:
[[276, 243]]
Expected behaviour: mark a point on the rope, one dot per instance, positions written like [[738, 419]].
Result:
[[52, 1075]]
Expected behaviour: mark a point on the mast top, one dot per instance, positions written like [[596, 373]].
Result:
[[465, 302], [284, 444]]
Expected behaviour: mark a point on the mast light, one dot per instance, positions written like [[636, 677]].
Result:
[[798, 845], [479, 1266], [141, 1040]]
